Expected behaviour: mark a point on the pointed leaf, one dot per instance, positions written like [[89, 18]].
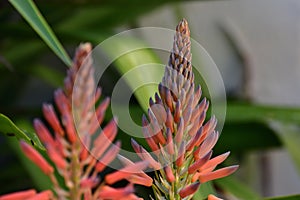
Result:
[[10, 129], [204, 190], [237, 188], [133, 62], [32, 15], [239, 112]]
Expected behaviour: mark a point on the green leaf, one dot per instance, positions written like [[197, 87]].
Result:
[[139, 74], [31, 14], [236, 136], [204, 190], [238, 112], [291, 197], [8, 128], [50, 75], [40, 180], [289, 133], [237, 188]]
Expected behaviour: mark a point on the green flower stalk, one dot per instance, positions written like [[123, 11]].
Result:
[[176, 131]]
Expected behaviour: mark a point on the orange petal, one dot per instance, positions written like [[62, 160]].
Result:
[[181, 153], [213, 197], [169, 174], [68, 123], [85, 148], [57, 158], [180, 130], [140, 179], [43, 133], [220, 173], [215, 161], [170, 144], [159, 112], [177, 112], [61, 101], [189, 190], [105, 139], [18, 195], [36, 157], [192, 143], [199, 163], [125, 172], [52, 119], [45, 195], [168, 99], [208, 144], [143, 154], [170, 121], [108, 192], [98, 116], [130, 197], [109, 156], [89, 182], [152, 144]]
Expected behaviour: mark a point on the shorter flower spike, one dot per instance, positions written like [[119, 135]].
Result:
[[36, 157], [78, 147]]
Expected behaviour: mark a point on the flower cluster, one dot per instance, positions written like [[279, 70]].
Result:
[[77, 157], [176, 131], [175, 128]]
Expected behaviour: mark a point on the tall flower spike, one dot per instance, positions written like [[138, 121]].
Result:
[[184, 139], [77, 157]]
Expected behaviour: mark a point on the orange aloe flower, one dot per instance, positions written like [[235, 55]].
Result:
[[77, 157], [176, 131]]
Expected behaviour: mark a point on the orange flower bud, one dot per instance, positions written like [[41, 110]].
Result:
[[169, 174], [220, 173], [189, 190], [52, 119], [45, 195], [36, 157], [213, 197], [108, 192], [125, 172], [18, 195]]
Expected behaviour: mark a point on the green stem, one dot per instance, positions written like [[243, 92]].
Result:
[[75, 171]]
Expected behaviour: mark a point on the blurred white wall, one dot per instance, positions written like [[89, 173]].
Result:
[[270, 32]]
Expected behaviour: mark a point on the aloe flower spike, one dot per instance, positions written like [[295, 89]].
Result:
[[185, 139]]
